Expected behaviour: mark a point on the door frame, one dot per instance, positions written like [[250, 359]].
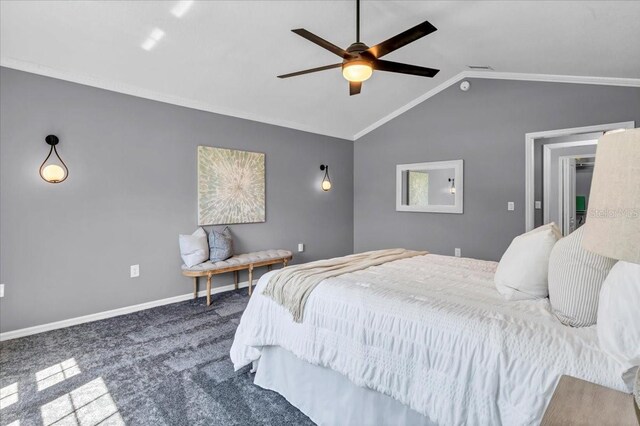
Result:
[[562, 203], [529, 166], [546, 171], [567, 203]]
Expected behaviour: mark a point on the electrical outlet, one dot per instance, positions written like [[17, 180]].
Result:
[[511, 206], [135, 271], [457, 252], [300, 247], [538, 205], [1, 290]]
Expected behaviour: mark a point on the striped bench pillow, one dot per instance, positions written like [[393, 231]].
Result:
[[575, 278]]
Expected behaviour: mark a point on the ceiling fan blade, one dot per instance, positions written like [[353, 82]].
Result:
[[402, 39], [389, 66], [322, 42], [355, 87], [326, 67]]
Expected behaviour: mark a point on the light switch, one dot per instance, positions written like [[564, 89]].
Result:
[[300, 247], [1, 290], [511, 206], [457, 252], [538, 205], [135, 271]]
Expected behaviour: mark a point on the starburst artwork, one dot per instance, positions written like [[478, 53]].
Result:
[[231, 186]]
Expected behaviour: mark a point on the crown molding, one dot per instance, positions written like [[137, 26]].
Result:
[[114, 86], [439, 88], [495, 75], [552, 78], [126, 89]]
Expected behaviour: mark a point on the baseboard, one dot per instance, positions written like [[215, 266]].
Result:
[[8, 335]]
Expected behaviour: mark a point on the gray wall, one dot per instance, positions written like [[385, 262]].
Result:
[[486, 127], [66, 249]]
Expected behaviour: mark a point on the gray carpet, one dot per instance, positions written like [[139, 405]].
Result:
[[164, 366]]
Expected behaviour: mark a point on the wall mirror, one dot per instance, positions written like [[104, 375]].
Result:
[[435, 187]]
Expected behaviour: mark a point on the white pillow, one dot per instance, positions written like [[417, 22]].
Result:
[[575, 278], [522, 271], [619, 316], [194, 248]]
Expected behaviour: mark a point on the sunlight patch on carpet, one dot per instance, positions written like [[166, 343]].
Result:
[[57, 373], [87, 405]]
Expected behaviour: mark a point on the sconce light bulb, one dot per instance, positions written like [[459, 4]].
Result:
[[53, 173], [326, 185]]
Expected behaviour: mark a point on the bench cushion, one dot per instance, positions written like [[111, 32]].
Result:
[[240, 260]]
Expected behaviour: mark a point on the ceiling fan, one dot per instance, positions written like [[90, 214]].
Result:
[[359, 60]]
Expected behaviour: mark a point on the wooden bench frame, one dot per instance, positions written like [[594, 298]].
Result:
[[249, 266]]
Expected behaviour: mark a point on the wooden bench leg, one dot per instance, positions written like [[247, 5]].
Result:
[[285, 263], [209, 290], [235, 278], [195, 288], [269, 267], [250, 279]]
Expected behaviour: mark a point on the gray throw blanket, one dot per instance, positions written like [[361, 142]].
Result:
[[292, 286]]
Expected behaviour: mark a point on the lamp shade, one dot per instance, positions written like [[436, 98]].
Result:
[[612, 228]]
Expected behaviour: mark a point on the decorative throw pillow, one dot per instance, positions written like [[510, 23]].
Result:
[[619, 316], [220, 245], [194, 248], [522, 271], [575, 278]]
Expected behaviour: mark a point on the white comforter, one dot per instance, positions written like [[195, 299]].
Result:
[[433, 333]]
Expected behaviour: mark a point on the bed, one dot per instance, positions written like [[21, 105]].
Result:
[[422, 340]]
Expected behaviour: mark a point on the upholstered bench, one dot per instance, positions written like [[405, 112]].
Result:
[[236, 263]]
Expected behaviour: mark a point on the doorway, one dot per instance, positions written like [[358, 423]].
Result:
[[542, 205], [574, 188]]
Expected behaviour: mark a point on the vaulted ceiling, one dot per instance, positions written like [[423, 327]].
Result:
[[223, 56]]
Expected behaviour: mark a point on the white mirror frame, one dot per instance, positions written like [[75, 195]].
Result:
[[457, 207]]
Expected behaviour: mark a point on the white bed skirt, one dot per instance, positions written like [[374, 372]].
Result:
[[326, 396]]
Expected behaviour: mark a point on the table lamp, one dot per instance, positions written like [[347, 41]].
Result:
[[612, 229]]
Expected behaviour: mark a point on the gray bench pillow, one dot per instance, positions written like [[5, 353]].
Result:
[[220, 245], [575, 278]]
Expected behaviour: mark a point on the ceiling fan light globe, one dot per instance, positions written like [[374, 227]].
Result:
[[357, 71]]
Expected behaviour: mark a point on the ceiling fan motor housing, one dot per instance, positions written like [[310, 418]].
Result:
[[357, 48], [358, 51], [357, 55]]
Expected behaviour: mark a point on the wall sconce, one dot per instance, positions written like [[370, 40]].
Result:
[[326, 182], [452, 190], [53, 170]]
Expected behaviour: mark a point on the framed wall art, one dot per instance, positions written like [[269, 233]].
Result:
[[231, 186]]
